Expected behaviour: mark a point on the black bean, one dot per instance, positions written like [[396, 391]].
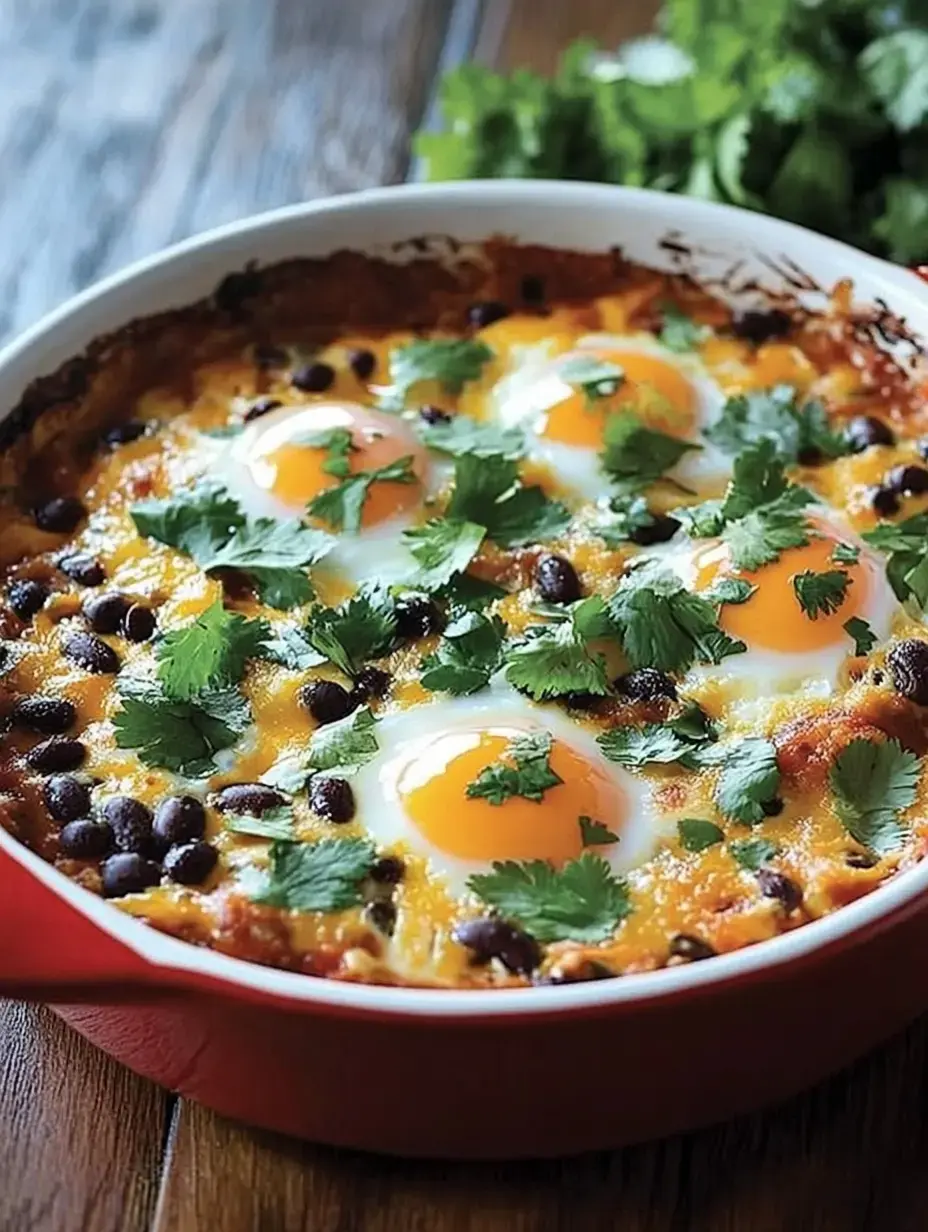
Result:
[[556, 579], [91, 653], [777, 885], [191, 863], [646, 684], [325, 700], [85, 839], [433, 415], [761, 326], [661, 529], [266, 355], [124, 433], [56, 754], [261, 406], [27, 597], [49, 715], [690, 948], [251, 798], [138, 624], [66, 797], [236, 288], [128, 873], [362, 363], [482, 314], [580, 701], [907, 480], [865, 430], [810, 456], [418, 616], [861, 859], [105, 613], [884, 501], [61, 515], [331, 798], [370, 682], [489, 937], [314, 377], [908, 666], [773, 808], [382, 915], [132, 823], [179, 819], [388, 870], [83, 569], [533, 290]]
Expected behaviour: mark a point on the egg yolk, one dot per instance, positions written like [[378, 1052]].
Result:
[[654, 389], [283, 459], [772, 617], [433, 782]]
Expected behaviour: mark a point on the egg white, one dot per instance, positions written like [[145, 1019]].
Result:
[[403, 734], [530, 387]]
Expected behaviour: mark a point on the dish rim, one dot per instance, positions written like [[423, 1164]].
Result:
[[167, 954]]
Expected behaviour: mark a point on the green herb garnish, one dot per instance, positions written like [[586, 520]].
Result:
[[872, 785], [526, 772]]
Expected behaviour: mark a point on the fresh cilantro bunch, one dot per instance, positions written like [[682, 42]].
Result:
[[814, 112]]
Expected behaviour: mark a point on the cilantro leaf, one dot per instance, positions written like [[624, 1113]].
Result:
[[873, 784], [753, 853], [488, 491], [863, 636], [469, 653], [896, 69], [340, 748], [661, 624], [275, 823], [342, 507], [443, 548], [321, 876], [595, 378], [208, 653], [182, 736], [680, 332], [467, 593], [684, 740], [776, 415], [624, 517], [821, 593], [291, 648], [903, 225], [729, 590], [361, 628], [462, 434], [906, 544], [207, 525], [594, 833], [636, 456], [452, 362], [338, 444], [529, 777], [697, 835], [750, 779], [556, 659], [845, 554], [582, 901]]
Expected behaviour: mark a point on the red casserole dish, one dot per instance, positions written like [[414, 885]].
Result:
[[469, 1073]]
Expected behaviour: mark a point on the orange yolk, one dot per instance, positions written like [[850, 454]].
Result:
[[772, 618], [433, 789], [293, 471], [655, 390]]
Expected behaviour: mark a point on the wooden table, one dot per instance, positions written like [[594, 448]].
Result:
[[125, 125]]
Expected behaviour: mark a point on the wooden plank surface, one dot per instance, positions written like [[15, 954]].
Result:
[[125, 124], [81, 1138]]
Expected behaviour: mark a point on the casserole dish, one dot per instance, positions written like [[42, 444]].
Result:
[[393, 1068]]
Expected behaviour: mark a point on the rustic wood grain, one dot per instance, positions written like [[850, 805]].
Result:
[[849, 1157], [80, 1137], [128, 124]]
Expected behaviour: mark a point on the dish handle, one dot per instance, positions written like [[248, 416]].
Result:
[[49, 951]]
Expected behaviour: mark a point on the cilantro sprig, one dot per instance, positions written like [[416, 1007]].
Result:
[[777, 415], [697, 835], [526, 772], [558, 658], [582, 901], [483, 439], [342, 506], [906, 546], [489, 492], [442, 548], [686, 740], [181, 736], [595, 834], [821, 594], [341, 749], [210, 527], [596, 378], [636, 456], [210, 652], [680, 332], [873, 784], [451, 362], [360, 629], [322, 876], [861, 634], [750, 779], [469, 653]]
